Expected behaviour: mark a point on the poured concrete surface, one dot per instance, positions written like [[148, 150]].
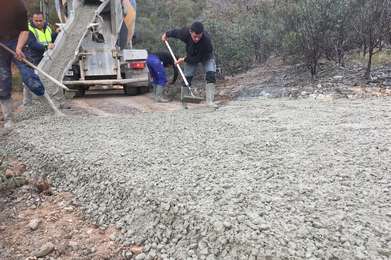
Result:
[[267, 177]]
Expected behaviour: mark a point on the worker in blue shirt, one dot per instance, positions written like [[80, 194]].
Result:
[[157, 62]]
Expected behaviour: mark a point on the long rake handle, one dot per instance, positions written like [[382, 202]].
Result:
[[179, 67], [36, 68]]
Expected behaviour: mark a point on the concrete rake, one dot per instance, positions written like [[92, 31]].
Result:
[[188, 97]]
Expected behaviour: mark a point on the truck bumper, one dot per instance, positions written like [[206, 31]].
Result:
[[142, 81]]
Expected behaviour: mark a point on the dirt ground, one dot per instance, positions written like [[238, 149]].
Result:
[[115, 103], [34, 216]]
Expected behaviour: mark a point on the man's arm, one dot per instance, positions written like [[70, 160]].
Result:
[[54, 37], [22, 40], [180, 34]]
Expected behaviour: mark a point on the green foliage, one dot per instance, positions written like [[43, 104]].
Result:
[[34, 6], [246, 33], [154, 17], [290, 45], [231, 49]]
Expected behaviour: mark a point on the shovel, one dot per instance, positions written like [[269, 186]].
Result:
[[184, 98], [49, 100]]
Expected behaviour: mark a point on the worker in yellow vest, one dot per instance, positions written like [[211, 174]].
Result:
[[41, 38]]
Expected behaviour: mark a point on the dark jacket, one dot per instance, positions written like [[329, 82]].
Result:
[[13, 19], [36, 49], [196, 52], [167, 61]]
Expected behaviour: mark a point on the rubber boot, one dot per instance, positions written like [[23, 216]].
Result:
[[210, 94], [6, 107], [159, 95], [27, 96], [154, 90]]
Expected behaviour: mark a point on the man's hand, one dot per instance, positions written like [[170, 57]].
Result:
[[164, 37], [50, 46], [19, 55], [180, 61]]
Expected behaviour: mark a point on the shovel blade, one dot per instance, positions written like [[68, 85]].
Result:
[[192, 99]]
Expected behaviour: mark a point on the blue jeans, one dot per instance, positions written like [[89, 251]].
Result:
[[209, 65], [30, 79], [157, 71]]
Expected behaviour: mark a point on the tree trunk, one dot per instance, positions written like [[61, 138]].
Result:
[[314, 68], [341, 57], [369, 65], [364, 51]]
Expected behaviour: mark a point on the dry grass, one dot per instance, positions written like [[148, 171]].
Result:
[[379, 59]]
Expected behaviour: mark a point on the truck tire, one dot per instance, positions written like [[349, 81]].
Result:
[[130, 90], [143, 89], [80, 93]]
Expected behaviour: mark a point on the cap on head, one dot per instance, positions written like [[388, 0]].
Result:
[[197, 27]]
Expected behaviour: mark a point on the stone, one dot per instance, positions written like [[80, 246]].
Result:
[[74, 245], [34, 223], [141, 256], [384, 252], [44, 250], [128, 255], [152, 253], [9, 173], [147, 248], [68, 209], [113, 237], [218, 227], [227, 224], [136, 250], [211, 257]]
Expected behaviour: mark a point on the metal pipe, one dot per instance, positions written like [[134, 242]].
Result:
[[82, 71]]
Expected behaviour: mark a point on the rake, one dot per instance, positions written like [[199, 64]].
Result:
[[46, 95], [191, 98]]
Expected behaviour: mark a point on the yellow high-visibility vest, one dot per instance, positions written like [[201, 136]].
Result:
[[43, 37]]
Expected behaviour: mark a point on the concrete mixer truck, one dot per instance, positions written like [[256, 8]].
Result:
[[104, 57]]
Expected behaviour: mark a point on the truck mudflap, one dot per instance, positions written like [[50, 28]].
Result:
[[141, 80]]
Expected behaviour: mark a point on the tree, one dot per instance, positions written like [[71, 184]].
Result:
[[372, 25]]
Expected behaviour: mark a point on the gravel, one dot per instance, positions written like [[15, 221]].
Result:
[[265, 177]]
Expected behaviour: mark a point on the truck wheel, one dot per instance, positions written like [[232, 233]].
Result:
[[130, 91], [143, 90], [80, 93]]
